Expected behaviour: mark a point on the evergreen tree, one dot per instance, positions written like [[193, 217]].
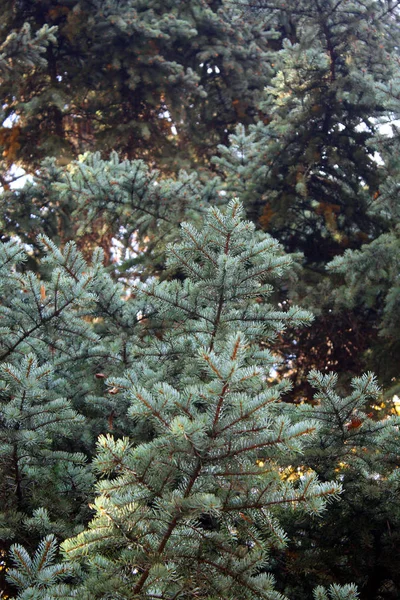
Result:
[[107, 202], [45, 480], [175, 360], [199, 406], [311, 156], [356, 540], [308, 172], [33, 576], [367, 279], [62, 329], [19, 52], [188, 509], [122, 73]]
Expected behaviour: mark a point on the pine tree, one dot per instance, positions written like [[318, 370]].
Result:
[[42, 331], [190, 508], [123, 73], [85, 346], [308, 172], [311, 155], [357, 538], [125, 207], [367, 279], [39, 571], [199, 401], [19, 52], [63, 329]]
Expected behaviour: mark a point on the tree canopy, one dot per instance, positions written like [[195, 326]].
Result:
[[199, 392]]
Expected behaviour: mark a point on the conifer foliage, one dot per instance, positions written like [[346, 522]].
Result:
[[42, 331], [95, 201], [120, 74], [142, 353], [190, 510], [315, 168]]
